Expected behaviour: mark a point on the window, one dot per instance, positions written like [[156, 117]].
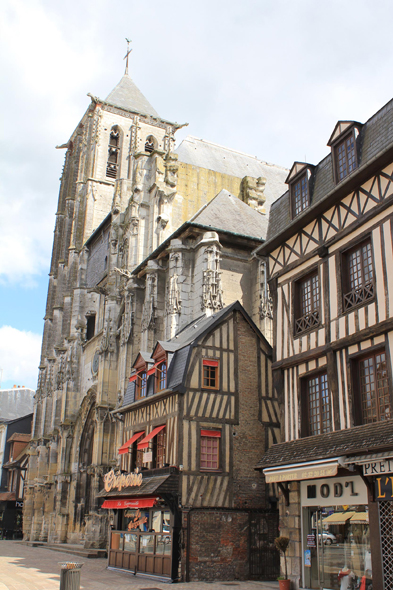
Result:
[[300, 195], [358, 275], [161, 374], [345, 156], [141, 385], [374, 388], [112, 165], [151, 144], [210, 447], [318, 416], [307, 303], [90, 326], [210, 374], [159, 449]]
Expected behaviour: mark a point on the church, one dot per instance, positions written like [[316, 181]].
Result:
[[150, 240]]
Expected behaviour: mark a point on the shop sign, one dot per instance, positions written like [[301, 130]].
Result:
[[18, 504], [122, 480], [384, 488], [378, 467], [147, 457], [137, 520], [300, 474], [336, 491]]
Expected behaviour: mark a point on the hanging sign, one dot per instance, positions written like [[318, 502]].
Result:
[[122, 480], [384, 488]]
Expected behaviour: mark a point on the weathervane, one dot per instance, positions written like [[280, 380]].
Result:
[[127, 54]]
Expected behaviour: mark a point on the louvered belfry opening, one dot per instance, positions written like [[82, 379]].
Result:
[[113, 153]]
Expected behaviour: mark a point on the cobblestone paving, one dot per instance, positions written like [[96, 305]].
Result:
[[37, 568]]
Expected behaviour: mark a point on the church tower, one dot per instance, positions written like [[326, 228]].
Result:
[[124, 191]]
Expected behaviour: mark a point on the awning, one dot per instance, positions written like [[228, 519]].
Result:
[[360, 518], [300, 472], [145, 441], [124, 448], [211, 433], [360, 459], [338, 518], [207, 363], [129, 503]]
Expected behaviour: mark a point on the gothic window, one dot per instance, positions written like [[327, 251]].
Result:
[[113, 163], [374, 388], [345, 156], [161, 376], [151, 144], [90, 326], [358, 275], [210, 450], [300, 195], [307, 303], [210, 374], [317, 417]]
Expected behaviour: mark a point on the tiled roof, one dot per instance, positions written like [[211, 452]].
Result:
[[375, 137], [359, 439], [127, 95], [153, 484]]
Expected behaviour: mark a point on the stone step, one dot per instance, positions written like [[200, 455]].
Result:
[[68, 548]]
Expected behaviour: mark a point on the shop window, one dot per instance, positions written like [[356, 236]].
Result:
[[358, 275], [300, 196], [210, 450], [90, 326], [210, 374], [112, 166], [345, 156], [317, 415], [307, 303], [141, 385], [159, 449], [374, 388], [161, 375]]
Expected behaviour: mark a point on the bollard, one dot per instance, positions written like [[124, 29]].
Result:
[[70, 575]]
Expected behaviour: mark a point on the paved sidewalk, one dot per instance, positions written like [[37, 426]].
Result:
[[37, 568]]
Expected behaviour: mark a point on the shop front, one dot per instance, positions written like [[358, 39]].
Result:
[[144, 535]]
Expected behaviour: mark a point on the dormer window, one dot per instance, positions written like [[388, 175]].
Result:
[[344, 151], [112, 166], [299, 187], [161, 374], [141, 385]]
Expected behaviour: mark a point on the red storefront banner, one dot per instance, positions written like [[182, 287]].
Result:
[[129, 503]]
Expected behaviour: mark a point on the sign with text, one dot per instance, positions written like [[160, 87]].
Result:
[[121, 480], [378, 467], [334, 491], [384, 488], [147, 457], [299, 474]]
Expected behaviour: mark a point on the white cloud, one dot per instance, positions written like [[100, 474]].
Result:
[[19, 356]]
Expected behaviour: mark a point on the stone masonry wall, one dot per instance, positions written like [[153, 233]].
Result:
[[290, 527]]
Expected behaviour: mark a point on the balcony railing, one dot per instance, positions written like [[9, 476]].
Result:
[[358, 295], [307, 321]]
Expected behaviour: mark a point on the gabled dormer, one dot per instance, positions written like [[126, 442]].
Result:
[[161, 363], [143, 368], [343, 143], [298, 181]]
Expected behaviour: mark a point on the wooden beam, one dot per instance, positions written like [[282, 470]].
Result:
[[285, 491]]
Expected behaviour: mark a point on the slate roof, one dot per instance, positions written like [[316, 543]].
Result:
[[228, 213], [205, 154], [359, 439], [127, 95], [152, 484], [375, 136]]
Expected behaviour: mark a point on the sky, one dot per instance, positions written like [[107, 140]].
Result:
[[266, 77]]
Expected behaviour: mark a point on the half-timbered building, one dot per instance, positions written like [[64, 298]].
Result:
[[188, 503], [330, 257]]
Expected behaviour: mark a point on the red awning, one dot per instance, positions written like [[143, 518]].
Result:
[[129, 503], [207, 363], [212, 433], [145, 441], [124, 448]]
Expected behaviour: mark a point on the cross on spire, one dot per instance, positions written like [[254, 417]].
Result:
[[127, 54]]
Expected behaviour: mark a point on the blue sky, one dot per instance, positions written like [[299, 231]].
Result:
[[266, 77]]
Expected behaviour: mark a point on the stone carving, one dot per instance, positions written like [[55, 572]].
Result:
[[173, 299], [265, 300], [171, 169], [211, 283], [149, 306], [123, 272], [61, 372], [108, 339], [127, 323], [252, 191]]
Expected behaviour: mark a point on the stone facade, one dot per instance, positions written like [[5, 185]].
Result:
[[121, 277]]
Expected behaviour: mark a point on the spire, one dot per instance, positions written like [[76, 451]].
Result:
[[127, 54]]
